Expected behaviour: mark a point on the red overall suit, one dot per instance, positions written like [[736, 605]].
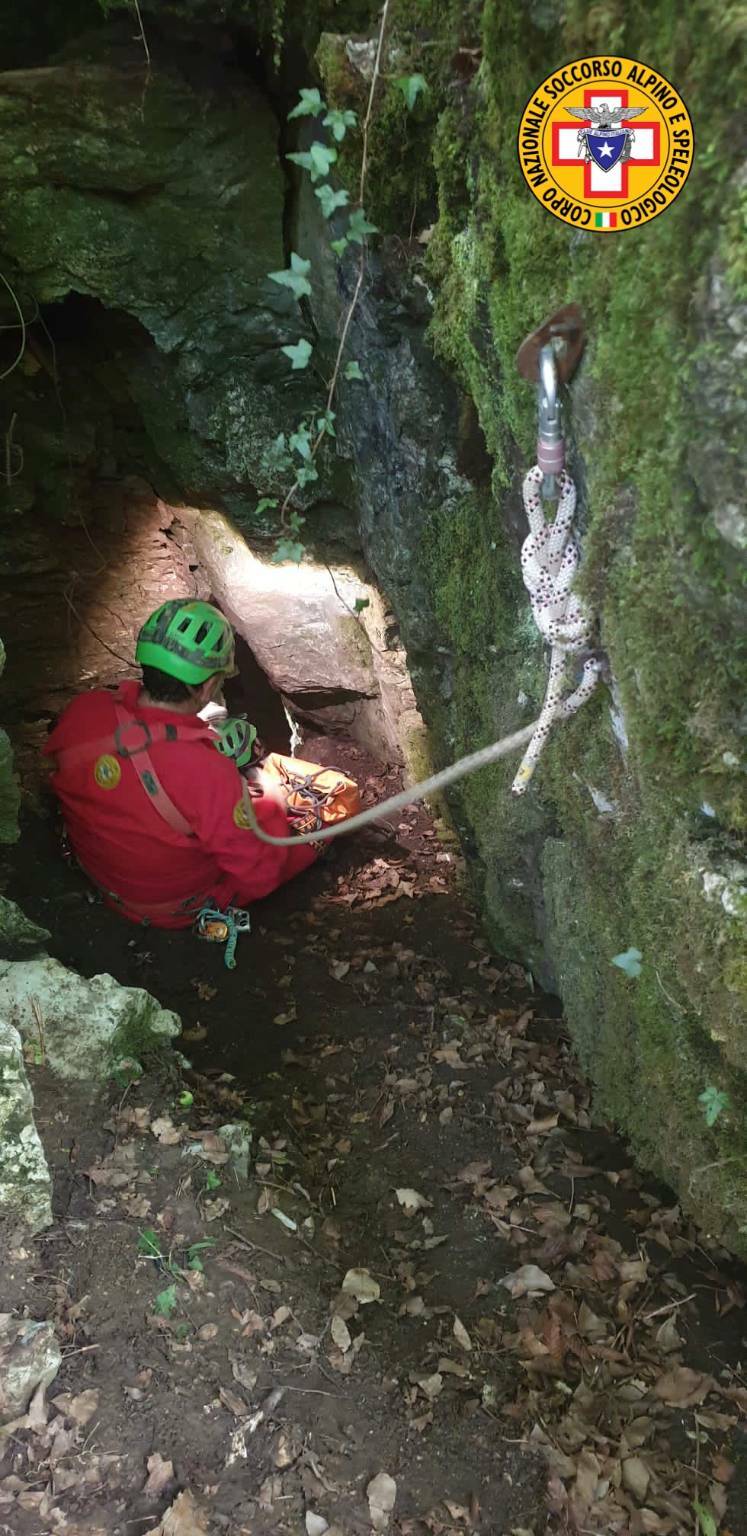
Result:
[[114, 764]]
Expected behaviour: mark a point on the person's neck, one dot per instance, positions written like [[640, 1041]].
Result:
[[185, 707]]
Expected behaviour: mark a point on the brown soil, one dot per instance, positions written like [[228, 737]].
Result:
[[375, 1047]]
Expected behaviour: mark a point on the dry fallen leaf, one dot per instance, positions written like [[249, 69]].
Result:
[[412, 1202], [587, 1477], [81, 1409], [361, 1284], [341, 1334], [160, 1474], [636, 1478], [682, 1387], [316, 1525], [165, 1131], [527, 1281], [382, 1494], [233, 1403], [184, 1518], [461, 1335], [430, 1386]]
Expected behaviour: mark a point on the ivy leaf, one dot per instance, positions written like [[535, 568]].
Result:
[[708, 1526], [331, 199], [359, 227], [296, 521], [300, 442], [294, 277], [353, 371], [339, 122], [411, 87], [306, 475], [326, 423], [165, 1302], [299, 353], [265, 504], [288, 549], [322, 157], [629, 962], [361, 603], [278, 456], [309, 104], [714, 1102], [316, 160], [338, 246]]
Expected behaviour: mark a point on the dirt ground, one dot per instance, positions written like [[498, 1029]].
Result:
[[437, 1270]]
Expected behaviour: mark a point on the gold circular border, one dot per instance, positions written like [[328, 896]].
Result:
[[625, 205]]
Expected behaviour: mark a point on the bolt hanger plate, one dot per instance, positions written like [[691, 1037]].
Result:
[[565, 330]]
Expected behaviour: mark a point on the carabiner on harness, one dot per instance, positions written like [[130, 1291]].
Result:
[[222, 926]]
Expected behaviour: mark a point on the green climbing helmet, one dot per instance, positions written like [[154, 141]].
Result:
[[235, 739], [188, 640]]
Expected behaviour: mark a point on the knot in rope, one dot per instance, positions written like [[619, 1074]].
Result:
[[549, 560]]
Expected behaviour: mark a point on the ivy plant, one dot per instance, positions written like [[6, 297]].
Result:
[[293, 454]]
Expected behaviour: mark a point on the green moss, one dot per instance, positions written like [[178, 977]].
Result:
[[400, 192], [654, 424]]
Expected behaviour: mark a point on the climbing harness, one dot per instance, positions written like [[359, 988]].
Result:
[[222, 925], [549, 560]]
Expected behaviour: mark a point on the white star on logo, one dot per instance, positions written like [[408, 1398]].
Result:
[[606, 150]]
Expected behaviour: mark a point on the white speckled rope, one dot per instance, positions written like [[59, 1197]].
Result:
[[549, 561]]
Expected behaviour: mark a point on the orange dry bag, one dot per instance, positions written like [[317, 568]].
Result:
[[315, 797]]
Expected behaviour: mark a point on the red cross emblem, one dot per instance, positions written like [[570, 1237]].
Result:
[[598, 184]]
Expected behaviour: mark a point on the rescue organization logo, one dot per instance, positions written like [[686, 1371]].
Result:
[[107, 772], [606, 144], [240, 818]]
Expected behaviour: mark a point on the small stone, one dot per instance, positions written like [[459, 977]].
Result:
[[29, 1358]]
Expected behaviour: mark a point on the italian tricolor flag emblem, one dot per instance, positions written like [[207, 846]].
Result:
[[605, 220]]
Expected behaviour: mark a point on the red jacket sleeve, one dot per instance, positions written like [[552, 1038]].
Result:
[[216, 814]]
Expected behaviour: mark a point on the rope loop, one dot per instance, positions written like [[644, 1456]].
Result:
[[549, 560]]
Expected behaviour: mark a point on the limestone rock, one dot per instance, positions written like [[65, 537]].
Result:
[[329, 654], [88, 1025], [17, 933], [29, 1358], [25, 1184]]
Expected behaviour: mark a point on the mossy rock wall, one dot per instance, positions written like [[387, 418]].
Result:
[[631, 833]]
